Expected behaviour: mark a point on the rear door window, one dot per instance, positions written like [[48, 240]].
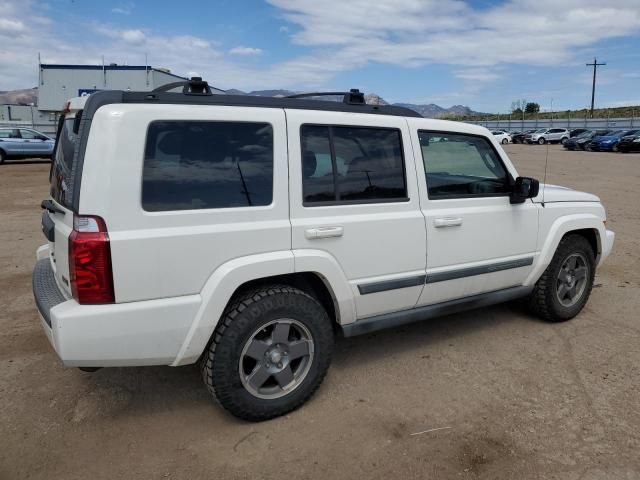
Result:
[[190, 165], [343, 164]]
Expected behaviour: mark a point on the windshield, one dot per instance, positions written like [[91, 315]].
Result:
[[541, 130], [62, 163], [585, 134]]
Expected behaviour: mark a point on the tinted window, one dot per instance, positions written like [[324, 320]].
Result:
[[351, 164], [461, 165], [195, 165], [61, 167], [5, 133]]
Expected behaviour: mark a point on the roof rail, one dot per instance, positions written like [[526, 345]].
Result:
[[193, 86], [352, 97]]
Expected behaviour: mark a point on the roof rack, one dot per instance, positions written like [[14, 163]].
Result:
[[352, 97], [193, 86]]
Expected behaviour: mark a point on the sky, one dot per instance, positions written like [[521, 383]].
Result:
[[480, 53]]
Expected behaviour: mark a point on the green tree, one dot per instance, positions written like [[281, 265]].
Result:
[[532, 107]]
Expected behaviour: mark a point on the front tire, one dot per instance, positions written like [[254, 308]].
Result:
[[3, 157], [505, 141], [269, 353], [541, 141], [564, 288]]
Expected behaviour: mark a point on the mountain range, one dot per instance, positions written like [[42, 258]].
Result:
[[430, 110]]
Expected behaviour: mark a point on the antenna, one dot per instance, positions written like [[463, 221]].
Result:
[[546, 160]]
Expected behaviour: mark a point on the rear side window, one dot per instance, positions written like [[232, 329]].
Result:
[[459, 166], [190, 165], [343, 164]]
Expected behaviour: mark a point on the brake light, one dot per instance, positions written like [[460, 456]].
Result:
[[90, 261]]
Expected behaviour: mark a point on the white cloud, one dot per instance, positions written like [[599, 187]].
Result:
[[245, 51], [336, 36]]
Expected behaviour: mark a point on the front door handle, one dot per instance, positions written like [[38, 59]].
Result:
[[323, 232], [447, 222]]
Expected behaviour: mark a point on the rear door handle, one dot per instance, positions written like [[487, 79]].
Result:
[[447, 222], [323, 232]]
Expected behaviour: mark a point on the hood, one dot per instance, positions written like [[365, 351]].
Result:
[[556, 193]]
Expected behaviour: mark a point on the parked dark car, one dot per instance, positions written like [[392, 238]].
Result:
[[609, 143], [24, 143], [578, 131], [581, 141], [629, 143], [519, 137]]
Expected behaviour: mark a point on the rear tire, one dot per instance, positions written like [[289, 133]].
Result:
[[564, 140], [270, 352], [3, 157], [541, 141], [564, 288]]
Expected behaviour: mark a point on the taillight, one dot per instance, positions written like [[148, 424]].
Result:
[[90, 261]]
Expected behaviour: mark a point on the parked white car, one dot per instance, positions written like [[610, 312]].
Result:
[[551, 135], [243, 232], [502, 136]]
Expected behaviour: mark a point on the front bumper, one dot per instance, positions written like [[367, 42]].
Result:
[[602, 147], [607, 245], [149, 332]]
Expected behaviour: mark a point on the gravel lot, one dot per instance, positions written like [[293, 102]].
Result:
[[513, 397]]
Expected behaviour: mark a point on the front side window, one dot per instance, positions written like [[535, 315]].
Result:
[[342, 164], [191, 165], [459, 165]]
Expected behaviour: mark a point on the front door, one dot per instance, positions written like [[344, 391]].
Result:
[[477, 241], [354, 198]]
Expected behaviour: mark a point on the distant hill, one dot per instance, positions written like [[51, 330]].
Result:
[[19, 97]]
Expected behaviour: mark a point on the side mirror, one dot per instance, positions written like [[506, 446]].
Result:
[[525, 187]]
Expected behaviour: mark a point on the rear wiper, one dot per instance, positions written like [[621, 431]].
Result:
[[51, 207]]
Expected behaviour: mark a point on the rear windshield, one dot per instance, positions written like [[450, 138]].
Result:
[[62, 166]]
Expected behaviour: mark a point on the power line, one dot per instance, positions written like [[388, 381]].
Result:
[[595, 66]]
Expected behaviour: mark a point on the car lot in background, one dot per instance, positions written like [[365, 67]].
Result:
[[24, 143], [609, 142], [550, 135], [629, 143], [502, 136]]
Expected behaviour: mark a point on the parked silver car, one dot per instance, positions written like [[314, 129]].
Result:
[[551, 135], [24, 143]]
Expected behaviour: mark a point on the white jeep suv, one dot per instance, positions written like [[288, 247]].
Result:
[[245, 232]]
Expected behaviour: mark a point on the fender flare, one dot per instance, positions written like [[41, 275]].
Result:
[[228, 277], [559, 229]]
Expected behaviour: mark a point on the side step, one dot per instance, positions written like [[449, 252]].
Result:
[[395, 319]]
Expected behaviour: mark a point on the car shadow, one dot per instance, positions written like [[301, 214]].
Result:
[[149, 390]]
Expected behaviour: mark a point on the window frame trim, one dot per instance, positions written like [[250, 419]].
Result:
[[510, 180], [336, 184], [208, 209]]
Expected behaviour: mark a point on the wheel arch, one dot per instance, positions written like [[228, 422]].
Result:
[[589, 226], [325, 282]]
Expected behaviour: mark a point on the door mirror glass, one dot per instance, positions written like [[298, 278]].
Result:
[[523, 188]]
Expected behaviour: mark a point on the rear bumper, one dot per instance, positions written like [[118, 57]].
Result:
[[149, 332]]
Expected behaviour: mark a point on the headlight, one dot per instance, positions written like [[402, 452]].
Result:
[[636, 140]]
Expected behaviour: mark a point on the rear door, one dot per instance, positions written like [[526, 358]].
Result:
[[353, 195]]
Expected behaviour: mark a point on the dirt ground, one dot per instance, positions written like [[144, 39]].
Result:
[[512, 397]]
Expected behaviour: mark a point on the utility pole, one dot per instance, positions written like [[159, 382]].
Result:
[[595, 65]]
